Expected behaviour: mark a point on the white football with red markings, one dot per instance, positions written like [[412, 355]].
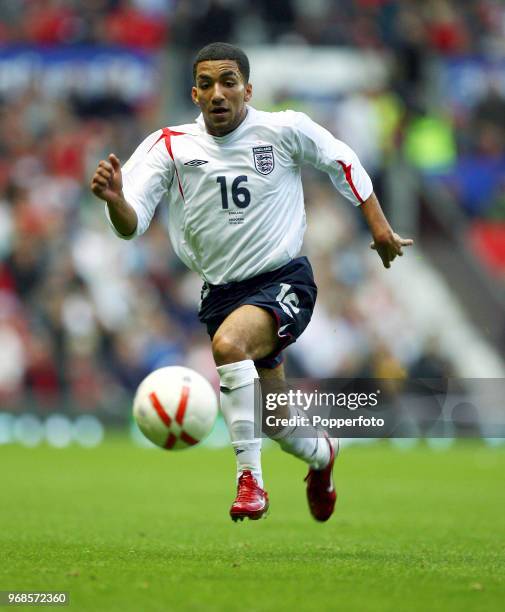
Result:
[[175, 407]]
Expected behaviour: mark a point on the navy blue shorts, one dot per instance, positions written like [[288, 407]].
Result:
[[288, 293]]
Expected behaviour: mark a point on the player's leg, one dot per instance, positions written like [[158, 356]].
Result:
[[308, 445], [315, 449], [279, 308], [247, 334]]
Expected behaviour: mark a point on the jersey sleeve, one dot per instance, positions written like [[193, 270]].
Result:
[[316, 146], [147, 177]]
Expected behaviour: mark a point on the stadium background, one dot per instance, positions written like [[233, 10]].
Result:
[[416, 88]]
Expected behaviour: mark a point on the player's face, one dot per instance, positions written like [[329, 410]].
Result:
[[221, 94]]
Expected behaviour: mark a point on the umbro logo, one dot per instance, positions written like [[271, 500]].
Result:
[[196, 162]]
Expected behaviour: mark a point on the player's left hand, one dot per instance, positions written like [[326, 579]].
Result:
[[390, 247]]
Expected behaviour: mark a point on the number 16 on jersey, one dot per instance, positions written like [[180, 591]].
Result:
[[241, 196]]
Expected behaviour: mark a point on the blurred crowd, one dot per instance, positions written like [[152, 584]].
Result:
[[85, 316], [137, 23], [439, 26]]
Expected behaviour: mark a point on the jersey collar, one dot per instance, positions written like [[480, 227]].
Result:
[[232, 135]]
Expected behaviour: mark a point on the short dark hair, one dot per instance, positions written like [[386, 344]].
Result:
[[223, 51]]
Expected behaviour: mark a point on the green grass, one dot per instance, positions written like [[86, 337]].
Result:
[[123, 528]]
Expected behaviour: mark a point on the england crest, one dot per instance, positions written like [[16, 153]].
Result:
[[264, 159]]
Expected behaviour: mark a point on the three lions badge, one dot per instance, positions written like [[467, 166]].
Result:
[[264, 159]]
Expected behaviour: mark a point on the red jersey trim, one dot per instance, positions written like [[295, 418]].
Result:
[[348, 178], [166, 134]]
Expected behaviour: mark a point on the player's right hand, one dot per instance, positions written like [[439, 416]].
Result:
[[107, 182]]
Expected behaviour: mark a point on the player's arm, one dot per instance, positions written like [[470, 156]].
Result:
[[133, 192], [315, 145], [107, 184], [387, 243]]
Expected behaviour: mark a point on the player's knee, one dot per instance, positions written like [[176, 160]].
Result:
[[227, 349]]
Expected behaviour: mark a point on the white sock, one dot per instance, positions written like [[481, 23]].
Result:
[[237, 406], [314, 450]]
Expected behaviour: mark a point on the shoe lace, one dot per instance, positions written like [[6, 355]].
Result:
[[246, 487]]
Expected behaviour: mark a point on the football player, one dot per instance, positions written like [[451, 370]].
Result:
[[232, 184]]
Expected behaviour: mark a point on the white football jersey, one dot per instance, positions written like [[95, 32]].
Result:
[[235, 202]]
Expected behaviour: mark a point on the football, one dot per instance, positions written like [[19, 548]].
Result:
[[175, 407]]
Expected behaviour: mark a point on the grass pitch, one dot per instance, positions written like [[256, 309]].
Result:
[[123, 528]]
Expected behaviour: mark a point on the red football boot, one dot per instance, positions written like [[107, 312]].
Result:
[[251, 501], [321, 493]]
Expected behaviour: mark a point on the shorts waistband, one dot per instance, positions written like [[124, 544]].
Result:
[[252, 280]]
